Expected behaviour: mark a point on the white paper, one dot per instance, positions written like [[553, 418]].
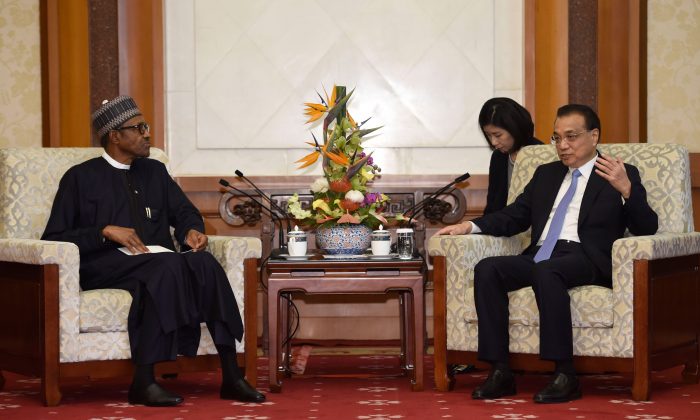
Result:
[[153, 248]]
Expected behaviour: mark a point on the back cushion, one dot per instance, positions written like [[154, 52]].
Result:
[[29, 180], [664, 168]]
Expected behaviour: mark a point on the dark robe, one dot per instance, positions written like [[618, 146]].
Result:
[[172, 293]]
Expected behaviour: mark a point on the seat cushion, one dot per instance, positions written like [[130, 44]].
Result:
[[591, 306], [104, 310]]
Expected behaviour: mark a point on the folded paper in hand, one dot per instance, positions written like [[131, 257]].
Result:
[[154, 249]]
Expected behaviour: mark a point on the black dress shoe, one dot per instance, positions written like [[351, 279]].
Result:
[[562, 388], [153, 395], [500, 383], [240, 390]]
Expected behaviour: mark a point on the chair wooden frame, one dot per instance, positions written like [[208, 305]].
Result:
[[29, 343], [666, 327]]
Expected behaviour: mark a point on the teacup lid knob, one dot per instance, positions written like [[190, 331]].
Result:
[[381, 227], [296, 228]]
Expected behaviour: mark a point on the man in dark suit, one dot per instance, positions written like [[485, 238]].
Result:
[[577, 207]]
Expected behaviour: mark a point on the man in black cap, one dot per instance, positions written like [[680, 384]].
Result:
[[121, 200]]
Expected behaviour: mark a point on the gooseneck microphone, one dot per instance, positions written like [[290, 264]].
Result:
[[416, 208], [282, 212], [273, 215]]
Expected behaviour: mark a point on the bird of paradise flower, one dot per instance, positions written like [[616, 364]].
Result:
[[332, 107]]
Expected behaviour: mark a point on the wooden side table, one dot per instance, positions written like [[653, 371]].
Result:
[[324, 276]]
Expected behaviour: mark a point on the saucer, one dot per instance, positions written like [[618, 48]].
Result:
[[295, 257], [343, 256], [381, 257]]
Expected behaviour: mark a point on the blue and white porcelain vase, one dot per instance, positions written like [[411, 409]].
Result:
[[344, 238]]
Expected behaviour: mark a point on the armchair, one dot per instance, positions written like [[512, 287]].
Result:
[[52, 329], [649, 319]]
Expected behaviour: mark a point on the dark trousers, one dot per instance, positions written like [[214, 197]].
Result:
[[172, 295], [494, 277]]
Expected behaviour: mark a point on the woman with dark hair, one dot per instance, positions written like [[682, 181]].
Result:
[[508, 127]]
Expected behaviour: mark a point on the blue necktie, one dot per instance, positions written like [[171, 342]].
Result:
[[547, 247]]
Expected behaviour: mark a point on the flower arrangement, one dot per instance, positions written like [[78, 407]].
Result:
[[342, 195]]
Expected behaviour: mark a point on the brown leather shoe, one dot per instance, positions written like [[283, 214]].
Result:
[[500, 383], [154, 395], [562, 388], [241, 390]]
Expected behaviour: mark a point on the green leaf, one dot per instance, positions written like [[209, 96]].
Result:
[[337, 109], [364, 132], [340, 143]]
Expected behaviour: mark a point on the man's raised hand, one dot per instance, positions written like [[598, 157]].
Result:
[[613, 170]]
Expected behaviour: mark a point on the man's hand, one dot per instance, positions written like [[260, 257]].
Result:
[[458, 229], [126, 237], [196, 240], [613, 170]]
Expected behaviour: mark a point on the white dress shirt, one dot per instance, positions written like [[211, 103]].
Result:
[[113, 162], [569, 230]]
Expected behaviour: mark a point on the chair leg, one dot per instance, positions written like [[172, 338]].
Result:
[[50, 391], [443, 381], [641, 386], [690, 373]]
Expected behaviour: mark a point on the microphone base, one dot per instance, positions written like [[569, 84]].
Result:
[[277, 252]]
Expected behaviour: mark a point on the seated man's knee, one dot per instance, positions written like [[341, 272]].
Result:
[[485, 266], [485, 273]]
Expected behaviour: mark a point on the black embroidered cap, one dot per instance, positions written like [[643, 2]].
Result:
[[112, 114]]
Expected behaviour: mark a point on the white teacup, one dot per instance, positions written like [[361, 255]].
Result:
[[296, 243], [381, 242]]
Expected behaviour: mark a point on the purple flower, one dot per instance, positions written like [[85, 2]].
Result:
[[370, 161], [371, 198]]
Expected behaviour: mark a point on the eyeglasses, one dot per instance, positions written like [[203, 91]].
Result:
[[570, 138], [143, 127]]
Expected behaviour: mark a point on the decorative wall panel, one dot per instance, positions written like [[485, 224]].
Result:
[[238, 73], [673, 77], [20, 74]]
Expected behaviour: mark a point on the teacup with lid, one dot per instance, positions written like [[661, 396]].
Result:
[[381, 241], [296, 242]]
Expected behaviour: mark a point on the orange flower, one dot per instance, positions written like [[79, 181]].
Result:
[[340, 158], [315, 111], [348, 218], [312, 157]]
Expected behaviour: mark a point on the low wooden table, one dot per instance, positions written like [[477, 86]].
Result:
[[355, 276]]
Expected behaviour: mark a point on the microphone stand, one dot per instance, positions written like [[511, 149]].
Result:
[[419, 206], [273, 204], [273, 216]]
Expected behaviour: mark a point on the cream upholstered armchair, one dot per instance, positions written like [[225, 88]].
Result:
[[648, 320], [52, 329]]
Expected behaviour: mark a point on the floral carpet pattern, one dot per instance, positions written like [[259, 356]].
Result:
[[354, 385]]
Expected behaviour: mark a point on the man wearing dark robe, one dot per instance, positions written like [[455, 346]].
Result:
[[113, 207]]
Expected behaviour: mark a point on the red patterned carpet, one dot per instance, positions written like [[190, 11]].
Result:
[[351, 386]]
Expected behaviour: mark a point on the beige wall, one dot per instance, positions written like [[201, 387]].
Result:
[[674, 72], [673, 76], [20, 74], [239, 71]]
